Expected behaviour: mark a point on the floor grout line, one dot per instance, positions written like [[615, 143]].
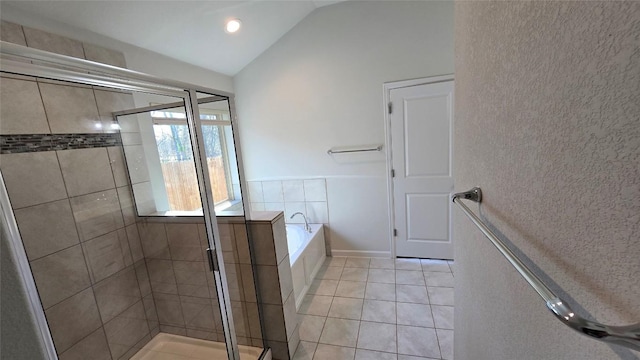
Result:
[[366, 283]]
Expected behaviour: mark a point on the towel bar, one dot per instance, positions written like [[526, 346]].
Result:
[[628, 336]]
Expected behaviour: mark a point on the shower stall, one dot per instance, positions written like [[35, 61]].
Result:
[[123, 211]]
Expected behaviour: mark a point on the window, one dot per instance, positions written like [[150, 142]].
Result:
[[176, 157]]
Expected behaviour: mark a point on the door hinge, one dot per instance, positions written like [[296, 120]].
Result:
[[390, 107], [213, 260], [395, 232], [393, 173]]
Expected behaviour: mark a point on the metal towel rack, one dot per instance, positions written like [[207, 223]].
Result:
[[628, 336], [331, 151]]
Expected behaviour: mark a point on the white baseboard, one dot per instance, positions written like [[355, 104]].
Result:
[[362, 253]]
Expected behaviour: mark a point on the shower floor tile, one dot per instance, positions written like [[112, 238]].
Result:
[[168, 346]]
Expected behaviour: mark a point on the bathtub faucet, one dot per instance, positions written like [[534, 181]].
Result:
[[307, 228]]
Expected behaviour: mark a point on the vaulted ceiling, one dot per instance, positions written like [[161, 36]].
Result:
[[190, 31]]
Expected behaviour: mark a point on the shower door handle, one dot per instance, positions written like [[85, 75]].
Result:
[[213, 260]]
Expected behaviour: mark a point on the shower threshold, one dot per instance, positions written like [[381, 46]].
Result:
[[175, 347]]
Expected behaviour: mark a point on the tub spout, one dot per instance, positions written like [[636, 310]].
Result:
[[307, 228]]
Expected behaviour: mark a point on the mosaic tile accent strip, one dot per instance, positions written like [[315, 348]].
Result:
[[13, 144]]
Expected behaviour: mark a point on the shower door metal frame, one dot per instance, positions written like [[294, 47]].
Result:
[[214, 252], [19, 255], [21, 60]]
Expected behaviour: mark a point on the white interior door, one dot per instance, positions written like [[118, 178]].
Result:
[[421, 144]]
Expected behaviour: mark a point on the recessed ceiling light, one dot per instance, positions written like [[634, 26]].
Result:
[[232, 26]]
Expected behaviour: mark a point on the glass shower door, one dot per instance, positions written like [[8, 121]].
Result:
[[175, 195], [214, 251], [115, 261], [215, 124]]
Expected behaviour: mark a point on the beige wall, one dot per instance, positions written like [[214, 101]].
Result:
[[138, 59], [547, 104], [320, 86]]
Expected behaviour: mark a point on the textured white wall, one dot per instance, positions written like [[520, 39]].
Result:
[[320, 86], [547, 123]]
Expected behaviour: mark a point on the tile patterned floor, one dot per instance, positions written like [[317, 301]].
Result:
[[378, 309], [356, 309]]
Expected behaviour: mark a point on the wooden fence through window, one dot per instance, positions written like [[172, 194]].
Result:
[[182, 183]]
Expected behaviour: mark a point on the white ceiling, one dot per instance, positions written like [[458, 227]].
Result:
[[190, 31]]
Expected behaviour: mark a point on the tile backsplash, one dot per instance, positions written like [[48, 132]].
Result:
[[308, 196], [13, 144]]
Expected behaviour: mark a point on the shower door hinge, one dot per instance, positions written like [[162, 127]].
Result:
[[213, 260], [395, 232], [393, 173], [390, 106]]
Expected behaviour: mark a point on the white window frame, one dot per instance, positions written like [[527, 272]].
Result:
[[223, 141]]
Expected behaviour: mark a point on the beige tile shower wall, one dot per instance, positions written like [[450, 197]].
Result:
[[183, 285], [85, 259], [74, 210], [275, 284]]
